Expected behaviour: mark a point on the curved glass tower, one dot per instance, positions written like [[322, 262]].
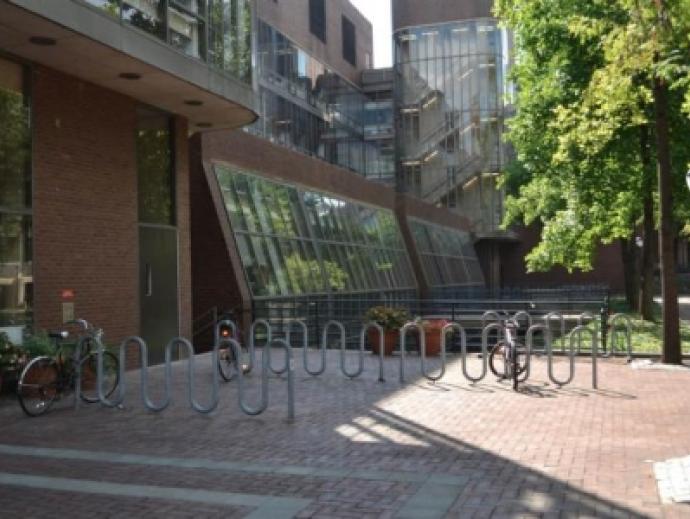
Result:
[[451, 100]]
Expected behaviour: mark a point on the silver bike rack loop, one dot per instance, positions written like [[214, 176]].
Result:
[[571, 364], [490, 315], [529, 345], [252, 340], [143, 351], [576, 333], [559, 317], [584, 319], [343, 352], [627, 325], [269, 344], [463, 350], [263, 403], [422, 350], [381, 334], [403, 344]]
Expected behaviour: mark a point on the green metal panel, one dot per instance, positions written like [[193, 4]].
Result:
[[158, 288]]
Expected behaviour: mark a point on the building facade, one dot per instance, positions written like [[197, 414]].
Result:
[[97, 100], [306, 201]]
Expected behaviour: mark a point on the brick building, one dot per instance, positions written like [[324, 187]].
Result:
[[97, 100]]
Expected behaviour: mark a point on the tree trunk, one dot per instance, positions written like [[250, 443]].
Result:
[[631, 272], [671, 352], [649, 236]]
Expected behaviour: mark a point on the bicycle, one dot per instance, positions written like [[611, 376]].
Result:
[[227, 363], [510, 352], [47, 378]]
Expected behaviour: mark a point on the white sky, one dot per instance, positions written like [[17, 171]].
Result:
[[379, 14]]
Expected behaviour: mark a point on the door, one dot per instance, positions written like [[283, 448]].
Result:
[[158, 288]]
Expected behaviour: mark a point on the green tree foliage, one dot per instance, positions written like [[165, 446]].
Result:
[[584, 76]]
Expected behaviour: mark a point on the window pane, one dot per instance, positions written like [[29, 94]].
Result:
[[154, 166]]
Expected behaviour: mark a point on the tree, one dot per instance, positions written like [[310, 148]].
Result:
[[584, 168]]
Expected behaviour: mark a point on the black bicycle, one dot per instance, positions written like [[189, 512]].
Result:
[[47, 378], [508, 358]]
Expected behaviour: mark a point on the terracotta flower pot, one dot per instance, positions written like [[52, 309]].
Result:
[[432, 337], [390, 341]]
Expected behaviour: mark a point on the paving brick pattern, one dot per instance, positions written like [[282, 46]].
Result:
[[359, 448]]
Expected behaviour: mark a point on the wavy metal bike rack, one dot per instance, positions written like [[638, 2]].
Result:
[[143, 352], [382, 353], [265, 368], [343, 352], [251, 344], [581, 322], [594, 338], [529, 345], [549, 362], [463, 350], [628, 327], [403, 344], [559, 317], [422, 353]]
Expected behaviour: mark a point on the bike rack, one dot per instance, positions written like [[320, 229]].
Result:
[[627, 323], [252, 340], [265, 368], [143, 352], [529, 345], [362, 339], [581, 322], [577, 333], [558, 316], [463, 350], [343, 351], [403, 344], [422, 351], [549, 362]]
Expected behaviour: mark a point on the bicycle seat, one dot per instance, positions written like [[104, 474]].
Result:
[[62, 334]]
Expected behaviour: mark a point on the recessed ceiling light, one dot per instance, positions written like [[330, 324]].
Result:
[[193, 102], [204, 125], [43, 41], [130, 75]]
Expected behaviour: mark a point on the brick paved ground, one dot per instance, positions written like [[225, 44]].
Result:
[[359, 448]]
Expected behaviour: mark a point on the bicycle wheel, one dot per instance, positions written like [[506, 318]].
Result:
[[497, 359], [521, 358], [227, 364], [38, 386], [89, 372]]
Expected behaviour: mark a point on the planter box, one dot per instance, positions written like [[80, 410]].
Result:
[[390, 341]]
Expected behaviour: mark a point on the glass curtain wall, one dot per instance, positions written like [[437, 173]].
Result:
[[448, 255], [450, 107], [305, 106], [296, 242], [16, 275], [216, 31]]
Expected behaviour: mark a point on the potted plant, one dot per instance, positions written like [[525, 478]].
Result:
[[391, 319], [432, 334]]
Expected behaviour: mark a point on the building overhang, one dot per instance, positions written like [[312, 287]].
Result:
[[98, 48]]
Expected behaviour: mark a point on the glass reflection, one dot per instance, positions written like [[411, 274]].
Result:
[[294, 242], [451, 108], [448, 256], [16, 250]]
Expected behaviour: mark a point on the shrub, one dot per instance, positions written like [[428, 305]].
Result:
[[389, 318]]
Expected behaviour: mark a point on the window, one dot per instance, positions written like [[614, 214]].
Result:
[[16, 276], [317, 19], [349, 42], [296, 242], [155, 168]]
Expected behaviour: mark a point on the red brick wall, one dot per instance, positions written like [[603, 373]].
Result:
[[214, 279], [183, 226], [608, 267], [85, 205]]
